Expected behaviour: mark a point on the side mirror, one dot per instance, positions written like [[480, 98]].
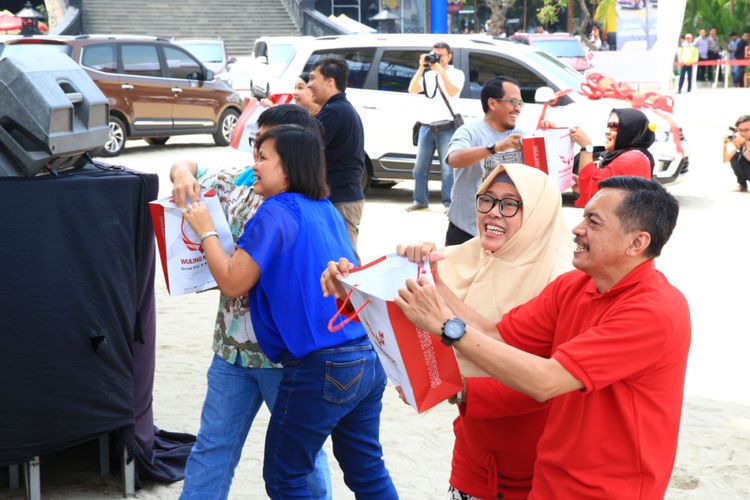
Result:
[[208, 75], [544, 94], [262, 59], [231, 60]]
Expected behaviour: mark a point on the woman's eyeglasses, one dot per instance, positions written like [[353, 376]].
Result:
[[513, 101], [613, 126], [508, 206]]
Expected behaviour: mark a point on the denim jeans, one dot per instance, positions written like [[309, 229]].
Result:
[[426, 145], [233, 399], [331, 392]]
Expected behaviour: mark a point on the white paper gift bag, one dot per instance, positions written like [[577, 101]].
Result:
[[551, 150], [419, 362], [182, 260]]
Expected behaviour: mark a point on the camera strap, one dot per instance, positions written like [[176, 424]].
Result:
[[445, 99], [424, 86]]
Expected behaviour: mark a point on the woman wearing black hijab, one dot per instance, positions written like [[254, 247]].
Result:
[[627, 139]]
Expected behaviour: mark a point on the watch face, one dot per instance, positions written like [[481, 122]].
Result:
[[455, 328]]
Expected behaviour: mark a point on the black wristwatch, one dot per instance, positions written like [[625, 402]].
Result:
[[453, 330], [491, 148]]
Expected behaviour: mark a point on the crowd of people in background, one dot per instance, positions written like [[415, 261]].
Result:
[[704, 52]]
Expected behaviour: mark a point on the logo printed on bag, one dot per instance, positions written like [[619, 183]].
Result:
[[425, 340]]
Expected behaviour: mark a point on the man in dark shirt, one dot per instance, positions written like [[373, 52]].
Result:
[[343, 139], [739, 53]]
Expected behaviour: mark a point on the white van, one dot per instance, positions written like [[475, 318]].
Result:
[[381, 67]]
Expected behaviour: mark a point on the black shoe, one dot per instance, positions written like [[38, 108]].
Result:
[[416, 208]]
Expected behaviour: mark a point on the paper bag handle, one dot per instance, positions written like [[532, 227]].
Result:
[[334, 328]]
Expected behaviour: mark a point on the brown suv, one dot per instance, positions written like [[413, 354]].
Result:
[[155, 88]]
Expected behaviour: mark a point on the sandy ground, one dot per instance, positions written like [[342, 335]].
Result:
[[706, 259]]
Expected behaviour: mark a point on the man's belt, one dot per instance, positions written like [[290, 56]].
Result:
[[439, 126]]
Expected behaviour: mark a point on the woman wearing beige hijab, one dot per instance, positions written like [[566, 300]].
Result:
[[521, 245]]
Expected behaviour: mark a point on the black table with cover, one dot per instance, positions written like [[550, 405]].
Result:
[[77, 318]]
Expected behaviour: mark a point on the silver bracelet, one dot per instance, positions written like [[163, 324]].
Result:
[[207, 234]]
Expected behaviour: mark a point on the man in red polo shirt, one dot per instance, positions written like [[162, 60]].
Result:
[[615, 335]]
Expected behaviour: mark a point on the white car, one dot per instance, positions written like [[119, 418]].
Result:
[[382, 65], [212, 53], [271, 58]]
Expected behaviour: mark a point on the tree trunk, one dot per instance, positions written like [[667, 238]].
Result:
[[585, 18], [499, 9]]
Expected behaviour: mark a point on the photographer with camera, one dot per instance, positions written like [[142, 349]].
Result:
[[441, 83], [737, 151]]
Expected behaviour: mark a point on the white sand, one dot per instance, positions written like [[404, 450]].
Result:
[[706, 258]]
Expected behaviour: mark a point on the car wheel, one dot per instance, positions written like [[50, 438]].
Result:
[[226, 126], [156, 141], [367, 175], [117, 137]]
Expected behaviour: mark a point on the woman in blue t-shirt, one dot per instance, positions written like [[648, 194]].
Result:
[[333, 382]]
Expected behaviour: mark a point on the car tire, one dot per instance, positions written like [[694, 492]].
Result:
[[156, 141], [118, 135], [225, 127], [367, 176]]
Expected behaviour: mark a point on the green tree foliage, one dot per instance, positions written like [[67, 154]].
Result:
[[724, 15]]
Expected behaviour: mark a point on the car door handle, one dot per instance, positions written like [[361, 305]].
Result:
[[126, 86], [176, 90], [370, 107]]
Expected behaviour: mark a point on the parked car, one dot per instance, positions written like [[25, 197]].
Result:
[[567, 48], [155, 88], [271, 57], [212, 53], [382, 65]]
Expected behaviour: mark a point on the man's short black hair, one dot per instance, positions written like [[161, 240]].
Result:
[[493, 89], [742, 119], [647, 206], [287, 114], [302, 158], [333, 66], [443, 45]]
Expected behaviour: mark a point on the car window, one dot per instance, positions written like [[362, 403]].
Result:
[[100, 57], [483, 66], [140, 60], [206, 52], [181, 65], [561, 48], [358, 60], [35, 50], [396, 69], [282, 54]]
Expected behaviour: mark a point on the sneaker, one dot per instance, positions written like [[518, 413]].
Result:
[[416, 208], [740, 189]]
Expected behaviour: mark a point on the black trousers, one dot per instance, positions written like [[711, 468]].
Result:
[[455, 235], [741, 168], [686, 70]]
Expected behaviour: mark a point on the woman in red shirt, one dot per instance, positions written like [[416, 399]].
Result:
[[627, 139]]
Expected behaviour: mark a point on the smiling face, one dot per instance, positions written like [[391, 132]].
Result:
[[503, 113], [302, 94], [610, 135], [601, 243], [270, 176], [321, 88], [495, 230]]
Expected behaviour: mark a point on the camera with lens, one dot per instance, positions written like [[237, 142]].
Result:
[[731, 136], [431, 58]]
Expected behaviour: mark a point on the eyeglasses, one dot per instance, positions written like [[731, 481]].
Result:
[[613, 126], [512, 101], [508, 206]]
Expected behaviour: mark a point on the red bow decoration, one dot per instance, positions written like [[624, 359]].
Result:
[[598, 86]]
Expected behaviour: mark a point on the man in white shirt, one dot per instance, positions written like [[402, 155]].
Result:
[[435, 76]]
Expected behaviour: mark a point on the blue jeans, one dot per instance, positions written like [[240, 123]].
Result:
[[331, 392], [233, 399], [426, 145]]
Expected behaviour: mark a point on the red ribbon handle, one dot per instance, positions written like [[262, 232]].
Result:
[[338, 326]]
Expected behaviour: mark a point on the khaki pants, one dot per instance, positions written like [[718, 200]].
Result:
[[352, 214]]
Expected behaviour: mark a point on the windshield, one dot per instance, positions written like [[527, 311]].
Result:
[[561, 74], [35, 49], [561, 48], [205, 52]]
